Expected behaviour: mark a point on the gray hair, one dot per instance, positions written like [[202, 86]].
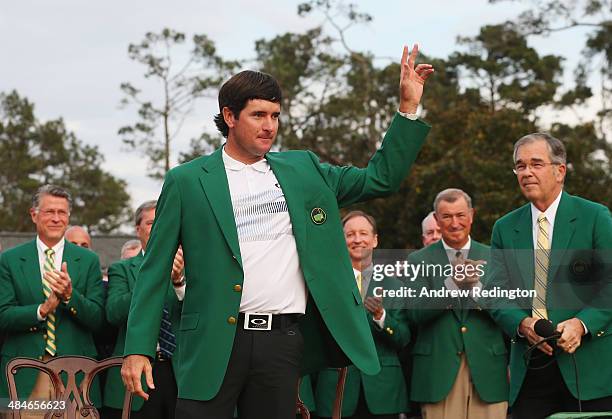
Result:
[[130, 244], [427, 217], [451, 195], [148, 205], [556, 149], [52, 190]]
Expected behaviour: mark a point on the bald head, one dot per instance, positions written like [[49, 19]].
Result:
[[431, 230], [79, 236]]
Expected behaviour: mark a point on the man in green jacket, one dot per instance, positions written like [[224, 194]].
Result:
[[121, 282], [559, 246], [51, 296], [383, 395], [460, 360], [264, 250]]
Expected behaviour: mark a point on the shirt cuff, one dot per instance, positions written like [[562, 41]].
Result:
[[180, 292], [38, 315], [381, 322], [411, 116]]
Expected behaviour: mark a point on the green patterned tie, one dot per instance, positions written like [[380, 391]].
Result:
[[542, 257], [48, 267]]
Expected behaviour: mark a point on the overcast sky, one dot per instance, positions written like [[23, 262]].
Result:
[[69, 57]]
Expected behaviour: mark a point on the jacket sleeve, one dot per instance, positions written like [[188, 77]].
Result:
[[13, 316], [385, 170], [119, 295], [88, 308], [152, 285], [597, 316], [506, 312], [396, 330]]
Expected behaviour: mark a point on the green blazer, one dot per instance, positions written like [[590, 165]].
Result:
[[385, 393], [446, 330], [579, 285], [194, 209], [121, 281], [20, 295]]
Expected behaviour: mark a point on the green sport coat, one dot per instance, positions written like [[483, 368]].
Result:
[[385, 392], [446, 329], [579, 285], [20, 295], [121, 281], [194, 209]]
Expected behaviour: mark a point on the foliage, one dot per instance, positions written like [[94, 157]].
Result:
[[33, 153], [199, 75]]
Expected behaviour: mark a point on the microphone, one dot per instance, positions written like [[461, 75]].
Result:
[[546, 329]]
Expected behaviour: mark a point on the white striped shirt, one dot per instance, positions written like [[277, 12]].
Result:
[[273, 280]]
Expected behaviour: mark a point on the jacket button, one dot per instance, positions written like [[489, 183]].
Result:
[[73, 310], [389, 330], [600, 333], [231, 320], [463, 329], [237, 287]]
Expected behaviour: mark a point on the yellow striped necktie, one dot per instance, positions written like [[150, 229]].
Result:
[[542, 258], [359, 284], [49, 266]]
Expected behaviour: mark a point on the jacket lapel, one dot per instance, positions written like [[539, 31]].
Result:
[[523, 247], [134, 268], [72, 260], [30, 267], [215, 185], [562, 233], [292, 188]]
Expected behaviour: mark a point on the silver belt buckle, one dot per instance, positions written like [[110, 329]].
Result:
[[258, 321]]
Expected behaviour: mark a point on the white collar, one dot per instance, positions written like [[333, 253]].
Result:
[[466, 246], [550, 212], [357, 271], [43, 247], [232, 164]]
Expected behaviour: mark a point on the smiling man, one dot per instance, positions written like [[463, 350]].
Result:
[[459, 362], [271, 289], [51, 296], [558, 245], [366, 396]]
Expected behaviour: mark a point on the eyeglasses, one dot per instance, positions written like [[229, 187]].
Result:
[[51, 213], [521, 167]]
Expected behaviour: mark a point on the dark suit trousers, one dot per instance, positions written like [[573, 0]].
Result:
[[261, 378], [544, 392], [162, 400]]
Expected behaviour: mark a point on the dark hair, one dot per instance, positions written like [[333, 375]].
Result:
[[242, 87], [358, 213], [148, 205], [52, 190]]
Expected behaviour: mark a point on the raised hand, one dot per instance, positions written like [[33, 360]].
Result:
[[412, 80]]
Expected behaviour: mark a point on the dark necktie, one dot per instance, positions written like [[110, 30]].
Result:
[[167, 339]]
